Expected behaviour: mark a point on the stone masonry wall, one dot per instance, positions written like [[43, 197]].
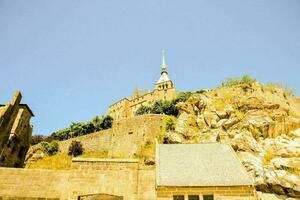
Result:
[[124, 139], [95, 177]]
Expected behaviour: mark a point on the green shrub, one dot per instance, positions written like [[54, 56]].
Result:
[[229, 82], [51, 148], [143, 110], [75, 148], [182, 97], [170, 124], [82, 128], [159, 107], [201, 91], [164, 107]]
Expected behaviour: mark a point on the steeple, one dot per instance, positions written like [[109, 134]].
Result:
[[164, 74], [163, 64]]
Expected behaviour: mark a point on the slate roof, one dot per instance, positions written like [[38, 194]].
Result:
[[190, 165]]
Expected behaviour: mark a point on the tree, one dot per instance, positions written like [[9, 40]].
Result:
[[82, 128], [169, 108], [75, 148], [107, 122], [143, 110], [157, 108]]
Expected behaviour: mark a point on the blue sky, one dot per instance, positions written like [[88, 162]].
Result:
[[71, 58]]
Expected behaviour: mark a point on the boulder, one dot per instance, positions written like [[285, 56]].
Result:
[[268, 196], [229, 110], [222, 114], [250, 103], [292, 164], [173, 138], [283, 182], [185, 107], [270, 105], [210, 136], [210, 119], [245, 142], [230, 122], [254, 166], [283, 146]]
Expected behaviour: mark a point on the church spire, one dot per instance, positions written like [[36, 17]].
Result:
[[164, 74], [163, 65]]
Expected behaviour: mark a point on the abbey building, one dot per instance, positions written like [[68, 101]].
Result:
[[164, 89]]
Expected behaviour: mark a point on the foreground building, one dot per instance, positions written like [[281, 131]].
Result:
[[182, 172], [15, 132], [164, 90], [201, 171]]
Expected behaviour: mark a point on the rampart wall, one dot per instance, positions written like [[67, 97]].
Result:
[[99, 176], [124, 139]]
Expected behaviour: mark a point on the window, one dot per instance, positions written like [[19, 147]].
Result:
[[178, 197], [208, 197], [193, 197]]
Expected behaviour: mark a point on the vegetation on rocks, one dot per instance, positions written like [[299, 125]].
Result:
[[164, 107], [229, 82], [260, 122]]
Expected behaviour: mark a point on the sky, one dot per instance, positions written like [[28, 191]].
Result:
[[71, 59]]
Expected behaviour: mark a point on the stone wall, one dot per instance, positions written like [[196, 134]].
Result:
[[124, 139], [220, 193], [95, 177], [15, 132]]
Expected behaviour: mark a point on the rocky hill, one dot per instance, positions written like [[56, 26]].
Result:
[[260, 122]]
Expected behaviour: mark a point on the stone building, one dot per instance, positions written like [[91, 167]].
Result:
[[182, 172], [201, 171], [164, 90], [15, 132]]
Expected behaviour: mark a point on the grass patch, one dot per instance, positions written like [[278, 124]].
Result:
[[58, 161], [102, 154]]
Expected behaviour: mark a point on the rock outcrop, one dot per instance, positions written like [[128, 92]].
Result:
[[15, 132], [261, 124]]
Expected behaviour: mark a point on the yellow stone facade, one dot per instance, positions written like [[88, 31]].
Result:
[[15, 132], [164, 90]]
